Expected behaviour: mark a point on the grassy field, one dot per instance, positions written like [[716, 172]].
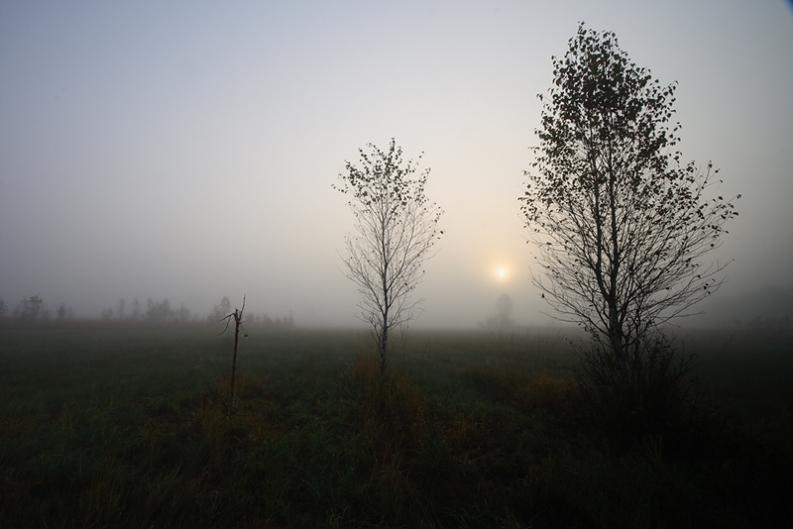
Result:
[[125, 426]]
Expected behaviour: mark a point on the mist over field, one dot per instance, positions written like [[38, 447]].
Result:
[[394, 265], [187, 151]]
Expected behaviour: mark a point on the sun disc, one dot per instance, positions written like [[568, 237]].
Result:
[[501, 273]]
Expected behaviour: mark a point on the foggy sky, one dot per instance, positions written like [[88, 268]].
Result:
[[187, 150]]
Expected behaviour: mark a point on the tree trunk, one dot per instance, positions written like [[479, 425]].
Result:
[[234, 363], [616, 337], [383, 348]]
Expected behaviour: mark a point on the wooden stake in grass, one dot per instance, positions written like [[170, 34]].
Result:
[[236, 316]]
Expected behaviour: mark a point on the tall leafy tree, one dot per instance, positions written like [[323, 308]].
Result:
[[623, 225]]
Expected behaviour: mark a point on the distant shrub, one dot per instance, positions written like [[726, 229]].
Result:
[[158, 311], [30, 309], [64, 312]]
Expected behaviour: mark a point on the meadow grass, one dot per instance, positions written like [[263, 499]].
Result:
[[111, 425]]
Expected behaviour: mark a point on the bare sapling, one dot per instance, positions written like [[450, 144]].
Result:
[[236, 317]]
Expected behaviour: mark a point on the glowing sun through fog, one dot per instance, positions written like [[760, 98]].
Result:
[[501, 273]]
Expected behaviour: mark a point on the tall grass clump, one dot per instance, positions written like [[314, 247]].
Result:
[[647, 392]]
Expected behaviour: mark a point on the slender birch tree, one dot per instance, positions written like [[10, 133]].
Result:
[[395, 229]]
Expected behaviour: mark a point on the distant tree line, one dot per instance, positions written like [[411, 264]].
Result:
[[223, 309], [34, 309], [155, 312]]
